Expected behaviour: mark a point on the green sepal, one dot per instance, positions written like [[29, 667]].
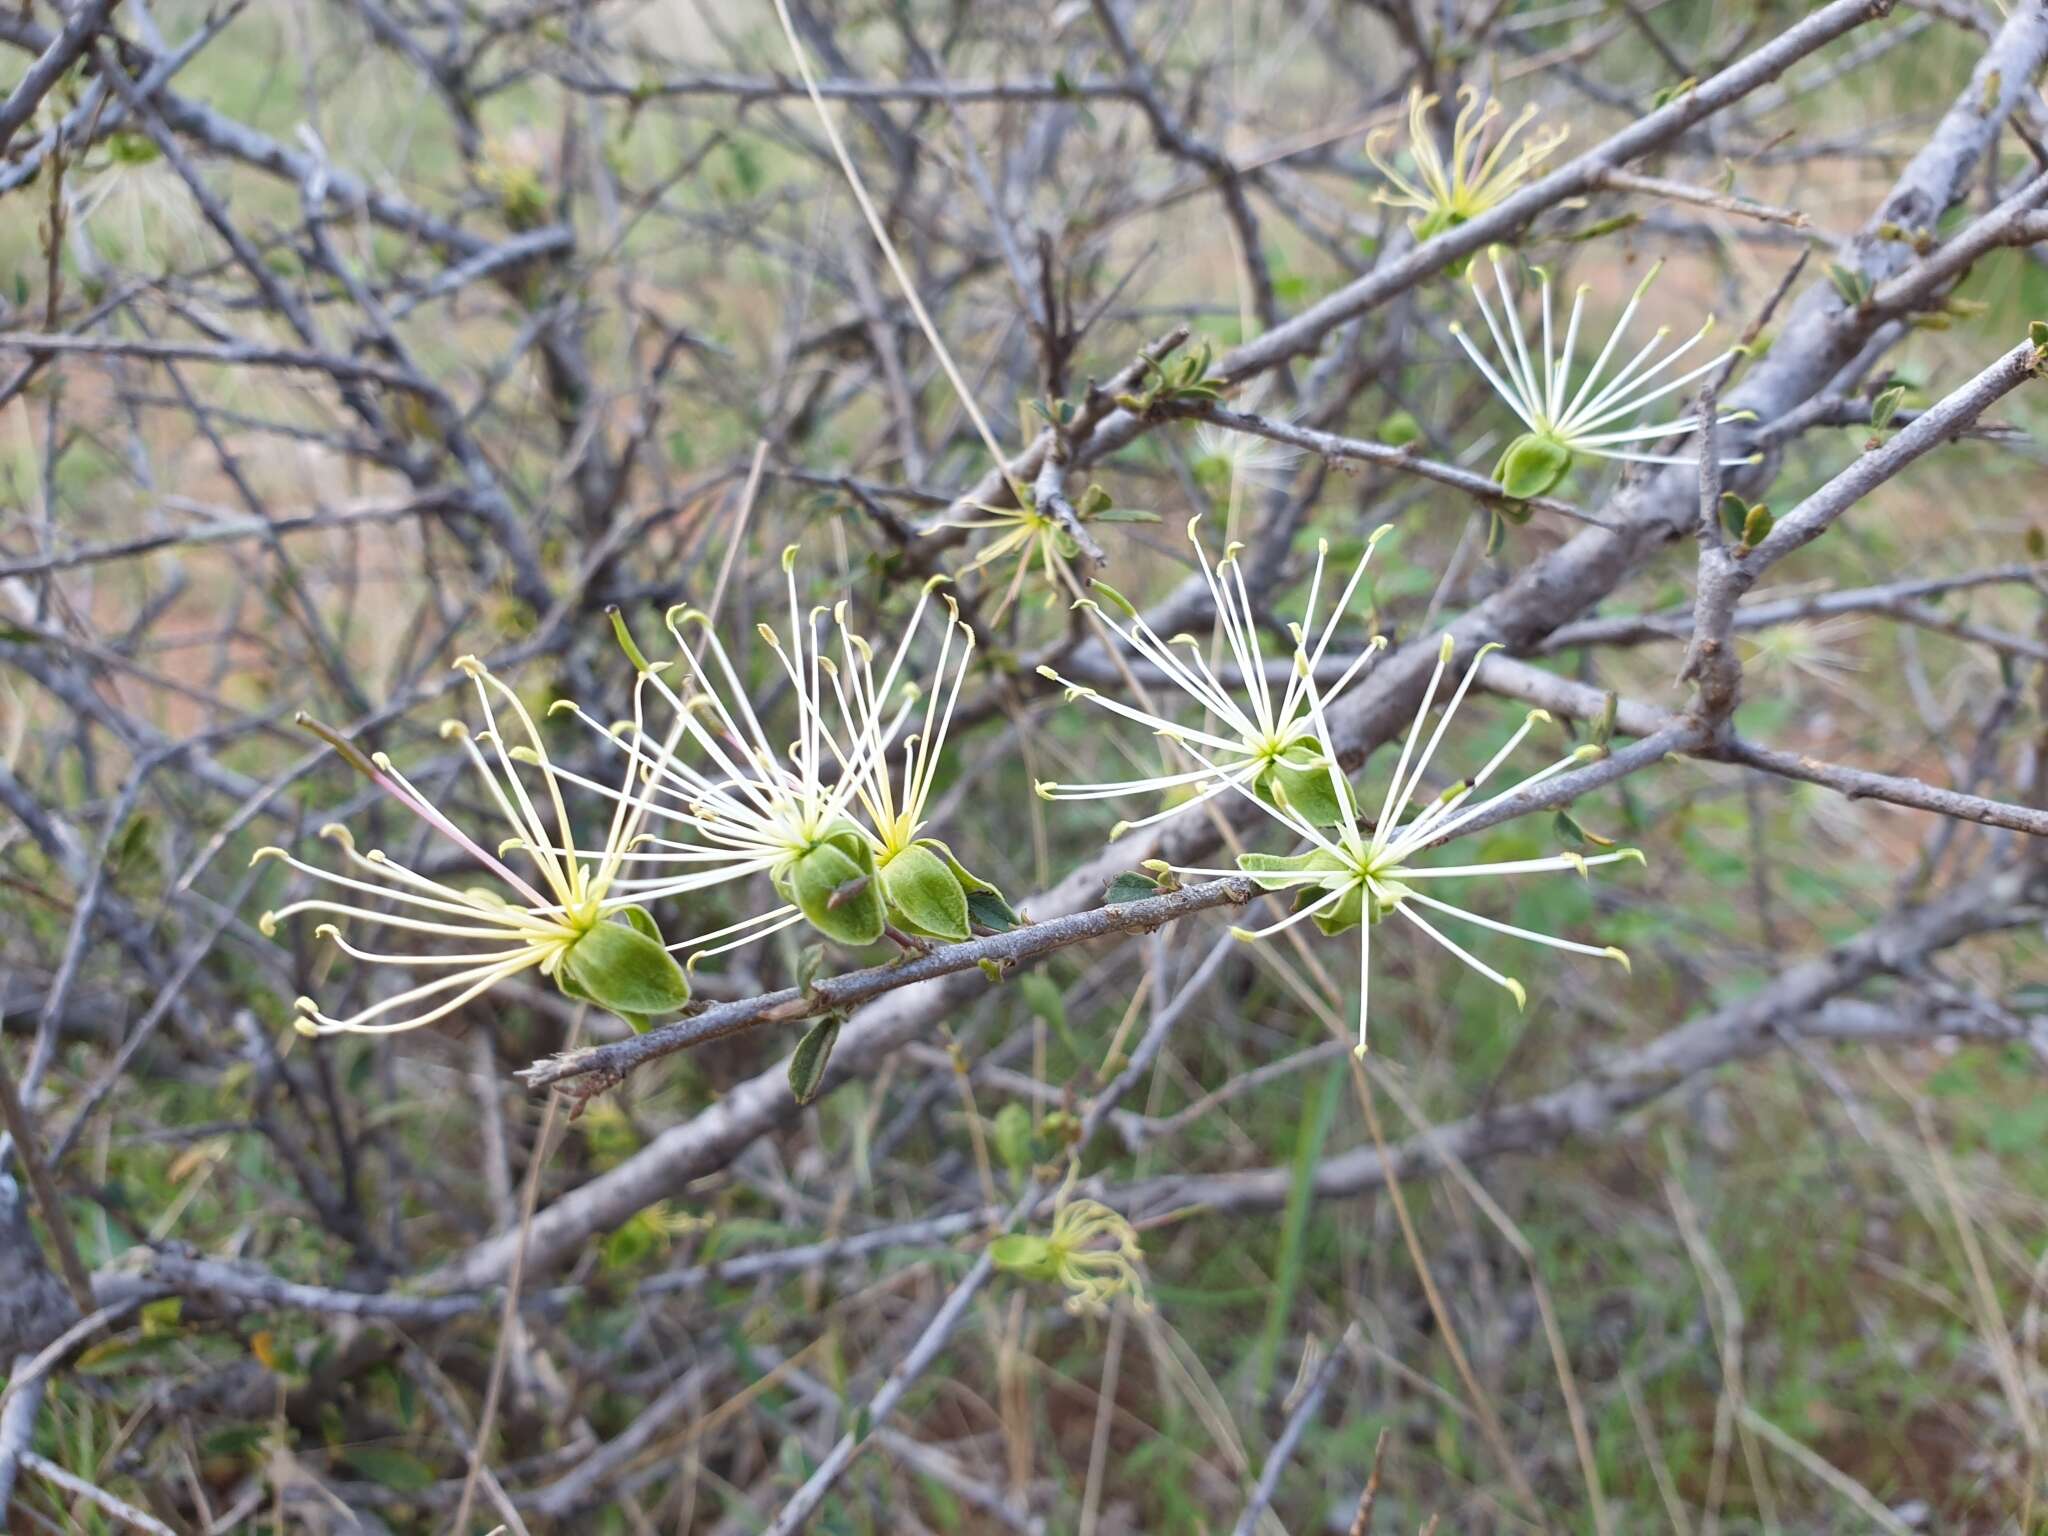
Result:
[[1303, 780], [1127, 887], [624, 968], [1347, 914], [1380, 906], [812, 1056], [1290, 865], [986, 906], [923, 896], [1026, 1255], [1532, 465], [836, 890], [1436, 222]]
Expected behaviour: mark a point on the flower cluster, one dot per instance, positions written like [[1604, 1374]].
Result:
[[834, 820], [1350, 872]]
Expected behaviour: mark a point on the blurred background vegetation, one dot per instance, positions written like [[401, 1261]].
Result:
[[1817, 1271]]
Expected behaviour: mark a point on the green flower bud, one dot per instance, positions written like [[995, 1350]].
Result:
[[1532, 465], [624, 968], [923, 896], [1026, 1255], [837, 892]]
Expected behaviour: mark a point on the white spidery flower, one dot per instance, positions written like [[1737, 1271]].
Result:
[[1254, 736], [1356, 874], [1234, 456], [739, 806], [571, 921], [1564, 421], [1245, 456]]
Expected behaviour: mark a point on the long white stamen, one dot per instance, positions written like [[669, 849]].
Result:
[[1507, 983], [1507, 928], [1396, 802]]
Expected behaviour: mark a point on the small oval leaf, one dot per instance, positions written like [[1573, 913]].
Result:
[[813, 1055]]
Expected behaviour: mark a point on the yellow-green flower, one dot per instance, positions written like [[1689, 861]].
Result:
[[1090, 1249], [1448, 191], [1028, 536]]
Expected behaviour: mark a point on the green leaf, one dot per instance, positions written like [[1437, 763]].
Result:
[[1852, 285], [1400, 429], [1734, 510], [1532, 465], [838, 893], [987, 909], [1603, 723], [1127, 887], [618, 966], [643, 920], [1013, 1139], [923, 895], [1042, 996], [813, 1055], [1496, 532], [810, 965], [400, 1470], [1306, 788], [132, 852], [1756, 527], [1886, 406], [1670, 93], [1568, 830]]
